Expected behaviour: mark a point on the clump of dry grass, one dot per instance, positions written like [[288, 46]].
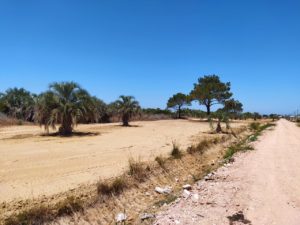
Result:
[[200, 147], [69, 206], [39, 214], [116, 187], [176, 152], [161, 161], [34, 215], [138, 170]]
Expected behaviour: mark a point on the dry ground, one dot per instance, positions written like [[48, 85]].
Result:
[[32, 165], [261, 188]]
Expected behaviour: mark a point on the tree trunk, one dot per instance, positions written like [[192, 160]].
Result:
[[219, 128], [208, 110], [179, 112], [125, 120], [66, 126]]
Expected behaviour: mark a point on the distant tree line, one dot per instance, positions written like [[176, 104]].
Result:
[[67, 103], [209, 91]]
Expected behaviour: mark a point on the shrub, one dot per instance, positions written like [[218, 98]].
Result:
[[255, 126]]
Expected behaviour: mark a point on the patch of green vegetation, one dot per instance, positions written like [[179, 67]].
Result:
[[253, 138], [168, 199]]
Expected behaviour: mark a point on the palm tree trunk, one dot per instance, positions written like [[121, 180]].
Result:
[[66, 126], [125, 120]]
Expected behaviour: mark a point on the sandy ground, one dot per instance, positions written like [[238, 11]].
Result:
[[32, 165], [261, 187]]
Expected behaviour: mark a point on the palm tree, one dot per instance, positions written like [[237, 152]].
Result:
[[127, 107], [65, 103], [17, 103]]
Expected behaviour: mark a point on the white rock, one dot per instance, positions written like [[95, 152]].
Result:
[[146, 216], [186, 194], [195, 198], [187, 187], [121, 217], [166, 190]]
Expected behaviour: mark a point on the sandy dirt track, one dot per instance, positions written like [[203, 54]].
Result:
[[261, 188], [31, 165]]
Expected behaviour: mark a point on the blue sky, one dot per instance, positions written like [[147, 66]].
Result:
[[154, 48]]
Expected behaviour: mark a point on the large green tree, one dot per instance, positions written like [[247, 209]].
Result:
[[18, 103], [178, 101], [209, 91], [65, 103], [126, 107]]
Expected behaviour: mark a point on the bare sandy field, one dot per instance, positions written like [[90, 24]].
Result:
[[32, 165]]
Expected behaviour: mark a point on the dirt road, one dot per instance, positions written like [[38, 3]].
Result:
[[262, 187]]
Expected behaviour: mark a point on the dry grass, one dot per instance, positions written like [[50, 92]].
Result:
[[39, 214], [138, 170], [115, 187], [176, 152], [161, 161]]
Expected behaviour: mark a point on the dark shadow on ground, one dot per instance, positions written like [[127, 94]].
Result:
[[73, 134], [238, 218]]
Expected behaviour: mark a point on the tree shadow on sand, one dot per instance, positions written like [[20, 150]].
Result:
[[73, 134]]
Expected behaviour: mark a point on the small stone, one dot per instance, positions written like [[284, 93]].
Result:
[[166, 190], [186, 194], [147, 216], [195, 198], [121, 217]]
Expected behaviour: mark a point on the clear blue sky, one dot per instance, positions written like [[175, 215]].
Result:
[[154, 48]]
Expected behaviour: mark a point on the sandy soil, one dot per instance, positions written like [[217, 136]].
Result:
[[32, 165], [261, 188]]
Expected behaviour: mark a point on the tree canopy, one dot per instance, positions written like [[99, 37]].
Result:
[[209, 91], [233, 107], [65, 103], [17, 103], [177, 101]]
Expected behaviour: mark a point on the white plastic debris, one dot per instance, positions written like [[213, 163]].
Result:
[[121, 217]]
